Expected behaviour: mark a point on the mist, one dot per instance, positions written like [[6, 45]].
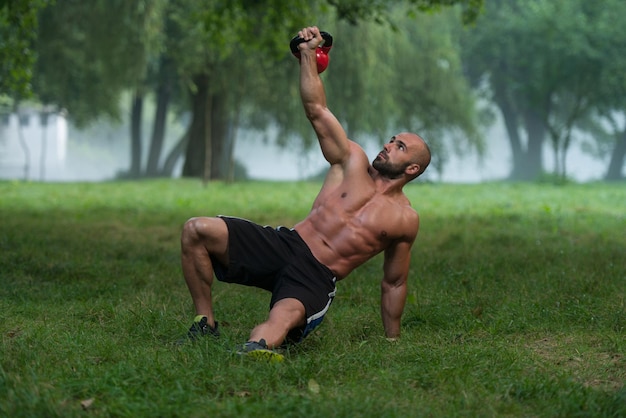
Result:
[[59, 152]]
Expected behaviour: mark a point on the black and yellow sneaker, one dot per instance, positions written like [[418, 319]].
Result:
[[258, 350], [200, 328]]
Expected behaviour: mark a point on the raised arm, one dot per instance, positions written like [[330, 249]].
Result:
[[331, 135]]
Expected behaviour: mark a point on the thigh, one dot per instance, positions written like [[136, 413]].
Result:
[[289, 313], [256, 254], [258, 249]]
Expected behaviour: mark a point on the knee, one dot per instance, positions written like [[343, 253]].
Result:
[[202, 231], [193, 231]]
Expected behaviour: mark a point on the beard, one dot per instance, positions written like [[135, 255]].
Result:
[[389, 170]]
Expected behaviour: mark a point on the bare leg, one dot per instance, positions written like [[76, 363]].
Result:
[[285, 314], [202, 237]]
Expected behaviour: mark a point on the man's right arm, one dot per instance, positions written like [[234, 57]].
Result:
[[331, 135]]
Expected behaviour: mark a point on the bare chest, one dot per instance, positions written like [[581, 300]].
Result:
[[362, 214]]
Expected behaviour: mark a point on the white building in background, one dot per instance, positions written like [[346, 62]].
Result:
[[33, 145]]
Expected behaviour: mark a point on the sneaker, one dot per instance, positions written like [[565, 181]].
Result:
[[200, 328], [258, 350]]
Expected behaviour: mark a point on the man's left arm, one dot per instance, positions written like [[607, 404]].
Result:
[[394, 286]]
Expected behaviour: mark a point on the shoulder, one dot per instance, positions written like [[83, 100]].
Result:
[[356, 153], [355, 147], [410, 221], [357, 164], [406, 227], [354, 167]]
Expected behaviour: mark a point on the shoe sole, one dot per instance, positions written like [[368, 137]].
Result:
[[265, 355]]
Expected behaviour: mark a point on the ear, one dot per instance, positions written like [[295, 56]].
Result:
[[412, 169]]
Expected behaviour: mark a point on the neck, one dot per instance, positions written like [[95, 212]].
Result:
[[385, 184]]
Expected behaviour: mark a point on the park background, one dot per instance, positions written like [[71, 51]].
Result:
[[517, 90]]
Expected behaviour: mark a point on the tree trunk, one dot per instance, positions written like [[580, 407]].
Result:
[[567, 141], [231, 135], [195, 154], [207, 153], [219, 127], [512, 128], [616, 164], [533, 165], [164, 92], [135, 135], [554, 142], [208, 141], [174, 155], [158, 131]]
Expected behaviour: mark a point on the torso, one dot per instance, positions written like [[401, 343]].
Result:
[[350, 220]]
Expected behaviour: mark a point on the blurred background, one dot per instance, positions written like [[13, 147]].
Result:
[[519, 90]]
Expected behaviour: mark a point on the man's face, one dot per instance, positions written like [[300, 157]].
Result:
[[393, 160]]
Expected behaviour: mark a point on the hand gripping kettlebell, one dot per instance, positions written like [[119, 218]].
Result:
[[321, 51]]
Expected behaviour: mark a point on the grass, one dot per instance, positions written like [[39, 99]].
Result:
[[516, 307]]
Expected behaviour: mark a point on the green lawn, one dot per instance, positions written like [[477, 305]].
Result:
[[516, 307]]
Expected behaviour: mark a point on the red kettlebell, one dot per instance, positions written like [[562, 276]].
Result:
[[321, 53]]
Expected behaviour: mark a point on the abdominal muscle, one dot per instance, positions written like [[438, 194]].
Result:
[[339, 241]]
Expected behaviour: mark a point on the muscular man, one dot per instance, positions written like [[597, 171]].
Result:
[[359, 212]]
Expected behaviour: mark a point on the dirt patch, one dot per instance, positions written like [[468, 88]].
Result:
[[587, 361]]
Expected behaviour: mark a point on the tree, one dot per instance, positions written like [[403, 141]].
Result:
[[18, 32], [218, 97], [608, 128], [208, 37], [543, 63], [380, 11], [406, 79], [81, 65], [497, 54], [570, 65], [379, 84], [91, 52]]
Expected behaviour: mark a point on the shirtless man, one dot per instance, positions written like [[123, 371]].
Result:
[[359, 212]]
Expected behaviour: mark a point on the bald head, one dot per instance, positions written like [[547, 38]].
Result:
[[420, 151]]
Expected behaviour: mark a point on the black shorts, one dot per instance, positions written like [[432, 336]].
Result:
[[278, 260]]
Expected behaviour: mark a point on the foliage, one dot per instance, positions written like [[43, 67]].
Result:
[[381, 11], [516, 307], [610, 91], [88, 55], [608, 42], [545, 62], [379, 82], [18, 32]]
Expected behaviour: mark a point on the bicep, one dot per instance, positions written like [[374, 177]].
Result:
[[396, 264], [398, 255]]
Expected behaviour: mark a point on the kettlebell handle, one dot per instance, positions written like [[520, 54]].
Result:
[[328, 42]]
